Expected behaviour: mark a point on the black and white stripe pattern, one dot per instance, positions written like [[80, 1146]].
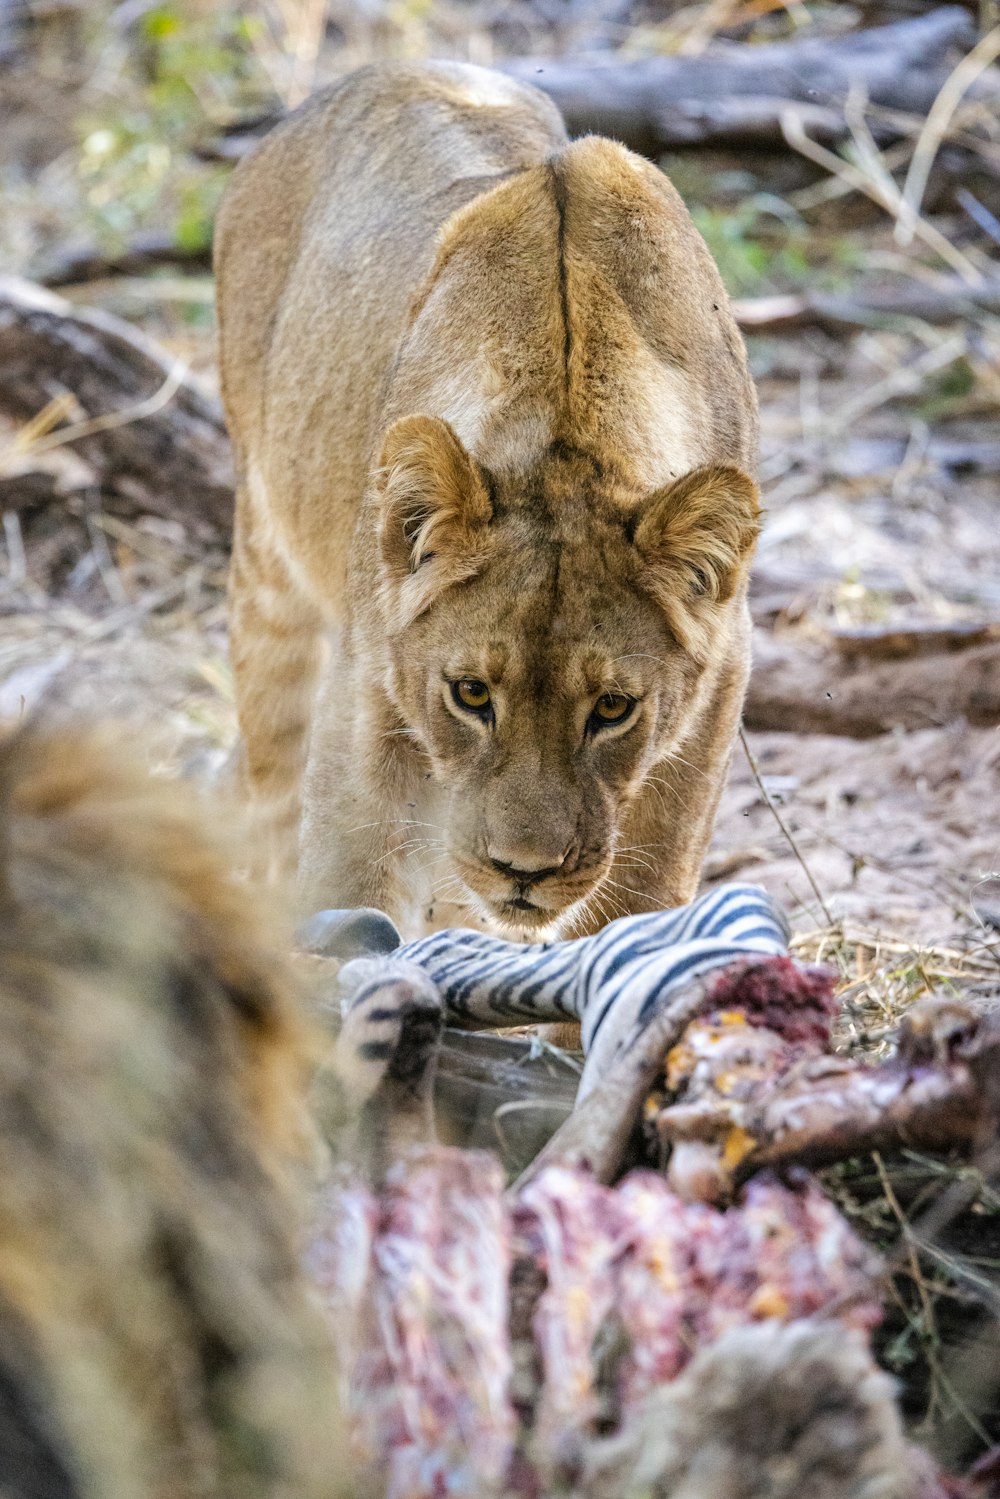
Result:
[[613, 982]]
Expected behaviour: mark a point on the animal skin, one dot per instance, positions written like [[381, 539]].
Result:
[[157, 1334], [494, 430]]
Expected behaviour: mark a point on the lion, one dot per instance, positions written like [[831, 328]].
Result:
[[158, 1336], [495, 434]]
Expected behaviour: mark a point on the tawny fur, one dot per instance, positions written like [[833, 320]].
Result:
[[157, 1339], [493, 421]]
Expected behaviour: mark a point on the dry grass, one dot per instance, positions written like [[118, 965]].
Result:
[[880, 977]]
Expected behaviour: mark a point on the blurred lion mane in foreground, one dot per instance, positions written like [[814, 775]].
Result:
[[156, 1332]]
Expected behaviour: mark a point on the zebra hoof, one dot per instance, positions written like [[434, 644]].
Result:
[[359, 933]]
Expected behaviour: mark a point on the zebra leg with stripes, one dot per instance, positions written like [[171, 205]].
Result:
[[613, 983], [377, 1088]]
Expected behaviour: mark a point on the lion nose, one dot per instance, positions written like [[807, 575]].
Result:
[[527, 871]]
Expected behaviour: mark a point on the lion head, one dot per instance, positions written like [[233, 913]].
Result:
[[549, 636]]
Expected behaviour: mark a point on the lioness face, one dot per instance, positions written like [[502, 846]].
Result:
[[548, 645], [544, 691]]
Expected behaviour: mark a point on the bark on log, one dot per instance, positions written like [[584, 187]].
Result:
[[884, 643], [738, 94], [173, 461], [813, 690]]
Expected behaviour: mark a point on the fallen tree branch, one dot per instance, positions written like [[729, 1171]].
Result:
[[885, 643], [151, 433], [814, 690], [733, 93], [729, 93], [957, 302], [147, 252]]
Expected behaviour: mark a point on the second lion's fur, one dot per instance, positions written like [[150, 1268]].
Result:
[[157, 1339]]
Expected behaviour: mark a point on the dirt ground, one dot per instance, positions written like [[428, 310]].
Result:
[[901, 832]]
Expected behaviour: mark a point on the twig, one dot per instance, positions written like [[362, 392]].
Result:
[[55, 411], [957, 1197], [146, 546], [979, 214], [911, 1245], [784, 828], [906, 309], [101, 553], [900, 382], [17, 568], [935, 128], [928, 1334], [120, 618], [878, 190], [907, 1238], [110, 419], [869, 155], [828, 189]]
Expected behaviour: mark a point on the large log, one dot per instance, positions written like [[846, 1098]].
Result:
[[148, 428], [737, 93], [730, 92], [807, 689]]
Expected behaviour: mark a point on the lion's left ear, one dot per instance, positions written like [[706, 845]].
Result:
[[696, 538]]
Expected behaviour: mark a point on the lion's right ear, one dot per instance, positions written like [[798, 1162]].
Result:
[[434, 510]]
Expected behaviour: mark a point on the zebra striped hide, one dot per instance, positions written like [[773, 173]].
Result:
[[613, 983]]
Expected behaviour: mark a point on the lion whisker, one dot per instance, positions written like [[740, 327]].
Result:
[[632, 891], [675, 759]]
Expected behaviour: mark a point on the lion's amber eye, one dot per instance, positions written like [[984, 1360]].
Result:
[[612, 707], [468, 693]]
